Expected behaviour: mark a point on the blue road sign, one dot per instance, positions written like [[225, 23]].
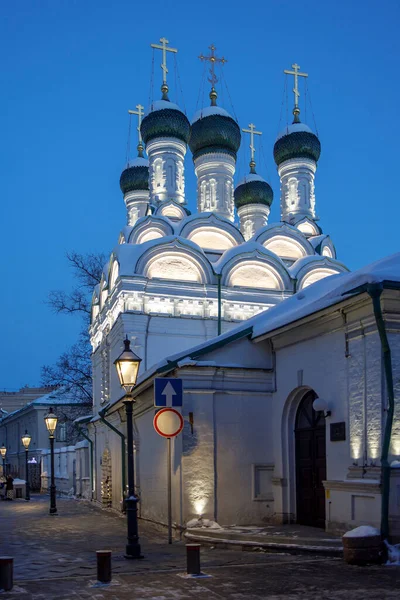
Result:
[[168, 391]]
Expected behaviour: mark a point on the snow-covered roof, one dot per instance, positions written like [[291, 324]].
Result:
[[55, 398], [325, 293], [208, 111], [138, 162], [243, 250], [315, 259], [250, 177], [316, 297], [293, 128], [161, 105]]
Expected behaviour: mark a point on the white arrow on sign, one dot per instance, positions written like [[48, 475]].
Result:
[[168, 392]]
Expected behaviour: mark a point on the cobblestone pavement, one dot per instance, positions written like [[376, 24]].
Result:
[[54, 559]]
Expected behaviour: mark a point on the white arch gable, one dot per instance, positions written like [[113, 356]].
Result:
[[311, 269], [172, 210], [150, 228], [211, 232], [178, 261], [308, 227], [285, 241], [114, 273], [256, 268]]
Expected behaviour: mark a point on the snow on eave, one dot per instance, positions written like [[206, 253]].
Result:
[[325, 293], [244, 250], [317, 260], [128, 255], [162, 105], [208, 111]]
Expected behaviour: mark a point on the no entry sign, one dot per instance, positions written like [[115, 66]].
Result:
[[168, 422]]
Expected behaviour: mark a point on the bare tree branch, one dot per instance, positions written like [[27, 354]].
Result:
[[73, 369]]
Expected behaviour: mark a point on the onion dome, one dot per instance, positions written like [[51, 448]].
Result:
[[296, 141], [136, 174], [214, 130], [165, 119], [253, 189]]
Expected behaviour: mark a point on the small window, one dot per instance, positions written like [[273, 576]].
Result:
[[262, 482], [61, 432]]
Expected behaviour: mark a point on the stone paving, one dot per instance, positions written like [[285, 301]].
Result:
[[54, 559]]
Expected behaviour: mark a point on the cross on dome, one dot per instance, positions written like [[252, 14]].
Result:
[[213, 79], [297, 74], [139, 112], [252, 131], [163, 47]]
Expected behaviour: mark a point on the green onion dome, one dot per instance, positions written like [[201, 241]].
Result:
[[214, 130], [296, 141], [253, 189], [135, 176], [165, 119]]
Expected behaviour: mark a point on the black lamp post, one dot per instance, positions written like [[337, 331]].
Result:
[[26, 440], [3, 452], [127, 365], [51, 424]]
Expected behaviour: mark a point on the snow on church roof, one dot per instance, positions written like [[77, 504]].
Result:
[[314, 298], [325, 293], [293, 128], [208, 111]]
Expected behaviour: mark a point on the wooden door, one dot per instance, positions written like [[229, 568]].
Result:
[[310, 463]]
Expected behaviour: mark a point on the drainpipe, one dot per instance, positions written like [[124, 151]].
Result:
[[375, 291], [219, 303], [121, 435], [83, 434]]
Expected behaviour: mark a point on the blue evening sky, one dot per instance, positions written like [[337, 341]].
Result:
[[72, 68]]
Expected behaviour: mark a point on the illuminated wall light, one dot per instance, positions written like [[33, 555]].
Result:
[[198, 506], [356, 448]]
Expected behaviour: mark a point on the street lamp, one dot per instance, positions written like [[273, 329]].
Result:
[[3, 452], [26, 440], [127, 365], [51, 424]]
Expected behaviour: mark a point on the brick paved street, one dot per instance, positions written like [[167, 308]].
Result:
[[54, 558]]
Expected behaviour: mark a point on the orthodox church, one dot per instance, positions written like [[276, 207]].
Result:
[[187, 289], [176, 279]]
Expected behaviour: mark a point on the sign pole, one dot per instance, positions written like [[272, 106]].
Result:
[[169, 467]]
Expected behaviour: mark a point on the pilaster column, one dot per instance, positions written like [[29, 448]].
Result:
[[297, 189], [166, 167], [215, 173]]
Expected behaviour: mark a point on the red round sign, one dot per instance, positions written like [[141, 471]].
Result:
[[168, 422]]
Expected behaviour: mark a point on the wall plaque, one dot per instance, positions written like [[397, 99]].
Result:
[[338, 432]]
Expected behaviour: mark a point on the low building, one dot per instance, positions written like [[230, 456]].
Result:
[[287, 416], [11, 401], [31, 418]]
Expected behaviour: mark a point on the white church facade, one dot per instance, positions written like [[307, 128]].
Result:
[[175, 281]]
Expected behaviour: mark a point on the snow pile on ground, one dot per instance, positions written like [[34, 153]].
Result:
[[363, 531], [202, 523], [393, 554]]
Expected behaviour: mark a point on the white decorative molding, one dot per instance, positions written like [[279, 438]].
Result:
[[252, 217], [166, 170], [297, 189], [215, 173]]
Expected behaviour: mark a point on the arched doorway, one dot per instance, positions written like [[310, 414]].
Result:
[[106, 479], [310, 463]]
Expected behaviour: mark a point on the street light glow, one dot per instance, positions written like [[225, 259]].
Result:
[[51, 422]]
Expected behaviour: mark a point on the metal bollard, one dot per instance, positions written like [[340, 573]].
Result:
[[104, 566], [6, 573], [193, 559]]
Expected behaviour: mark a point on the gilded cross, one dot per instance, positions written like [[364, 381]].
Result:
[[296, 74], [252, 131], [139, 113], [213, 59], [164, 49]]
